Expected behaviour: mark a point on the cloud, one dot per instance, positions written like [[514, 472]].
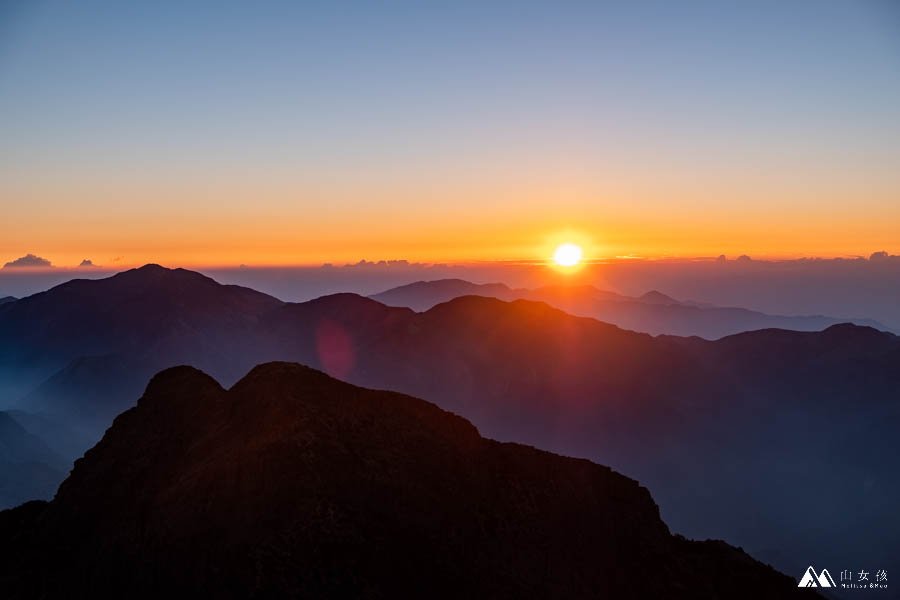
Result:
[[882, 255], [87, 263], [381, 264], [29, 260]]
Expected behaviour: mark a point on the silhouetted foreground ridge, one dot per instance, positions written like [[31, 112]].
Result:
[[294, 484]]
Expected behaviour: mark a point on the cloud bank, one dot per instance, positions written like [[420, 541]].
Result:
[[29, 260]]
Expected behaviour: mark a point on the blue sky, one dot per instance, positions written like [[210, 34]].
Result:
[[355, 105]]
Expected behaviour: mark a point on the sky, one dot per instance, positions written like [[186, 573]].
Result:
[[268, 133]]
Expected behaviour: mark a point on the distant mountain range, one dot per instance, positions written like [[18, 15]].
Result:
[[28, 466], [757, 438], [295, 485], [149, 318], [654, 312]]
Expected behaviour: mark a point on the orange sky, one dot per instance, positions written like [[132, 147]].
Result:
[[301, 135], [232, 220]]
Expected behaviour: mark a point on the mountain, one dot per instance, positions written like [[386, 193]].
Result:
[[422, 295], [144, 319], [653, 312], [655, 297], [28, 467], [757, 438], [64, 439], [293, 484], [6, 299]]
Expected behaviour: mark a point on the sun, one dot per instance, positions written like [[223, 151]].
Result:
[[567, 255]]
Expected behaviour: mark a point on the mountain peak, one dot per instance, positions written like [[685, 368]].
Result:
[[281, 371], [179, 377], [449, 283], [150, 267], [155, 272], [481, 307], [345, 305], [657, 297], [472, 300], [423, 295], [344, 299], [860, 333]]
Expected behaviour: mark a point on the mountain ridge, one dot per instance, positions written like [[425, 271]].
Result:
[[695, 420], [313, 472], [29, 466], [654, 312]]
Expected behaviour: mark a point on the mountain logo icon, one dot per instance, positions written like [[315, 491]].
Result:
[[810, 579]]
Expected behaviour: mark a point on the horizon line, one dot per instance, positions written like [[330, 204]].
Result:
[[400, 262]]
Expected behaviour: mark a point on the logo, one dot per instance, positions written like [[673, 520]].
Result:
[[850, 580], [810, 579]]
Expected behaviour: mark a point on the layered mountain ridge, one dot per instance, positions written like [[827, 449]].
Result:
[[653, 312], [736, 437], [27, 464]]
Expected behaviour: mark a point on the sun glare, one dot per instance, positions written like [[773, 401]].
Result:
[[567, 255]]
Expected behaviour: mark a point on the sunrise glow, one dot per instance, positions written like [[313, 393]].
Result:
[[567, 255]]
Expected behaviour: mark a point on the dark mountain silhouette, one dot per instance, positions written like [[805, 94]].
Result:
[[28, 467], [653, 312], [293, 484], [757, 438], [7, 299], [146, 318]]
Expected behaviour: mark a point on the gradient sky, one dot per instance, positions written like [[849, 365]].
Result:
[[204, 133]]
